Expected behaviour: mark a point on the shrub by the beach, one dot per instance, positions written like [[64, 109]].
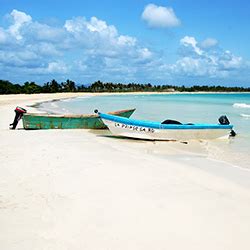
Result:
[[7, 87]]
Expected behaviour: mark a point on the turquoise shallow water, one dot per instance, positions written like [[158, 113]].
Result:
[[201, 108]]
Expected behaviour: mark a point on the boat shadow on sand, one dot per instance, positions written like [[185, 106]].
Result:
[[107, 134]]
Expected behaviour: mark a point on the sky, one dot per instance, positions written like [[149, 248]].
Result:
[[179, 42]]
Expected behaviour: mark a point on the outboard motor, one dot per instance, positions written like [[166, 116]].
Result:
[[223, 120], [232, 133], [19, 114]]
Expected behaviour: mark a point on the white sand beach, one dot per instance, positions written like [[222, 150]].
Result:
[[75, 190]]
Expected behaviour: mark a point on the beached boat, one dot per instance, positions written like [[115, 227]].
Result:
[[49, 121], [171, 130]]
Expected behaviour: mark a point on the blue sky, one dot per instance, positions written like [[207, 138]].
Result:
[[162, 42]]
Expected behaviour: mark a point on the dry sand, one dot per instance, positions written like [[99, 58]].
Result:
[[75, 190]]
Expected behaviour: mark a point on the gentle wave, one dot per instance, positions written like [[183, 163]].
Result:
[[241, 105], [72, 99], [54, 105], [245, 115], [67, 100], [83, 97]]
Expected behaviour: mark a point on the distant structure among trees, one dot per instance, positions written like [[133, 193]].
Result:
[[6, 87]]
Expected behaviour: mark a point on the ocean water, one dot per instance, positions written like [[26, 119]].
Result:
[[201, 108]]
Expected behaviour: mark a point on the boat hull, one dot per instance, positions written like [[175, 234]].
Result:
[[46, 121], [156, 131]]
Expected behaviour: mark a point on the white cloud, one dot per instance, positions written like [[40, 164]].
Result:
[[189, 66], [101, 27], [126, 40], [45, 49], [57, 67], [21, 59], [19, 18], [84, 44], [3, 36], [145, 54], [101, 39], [208, 43], [191, 41], [212, 63], [95, 27], [228, 61], [81, 66], [44, 32], [160, 16]]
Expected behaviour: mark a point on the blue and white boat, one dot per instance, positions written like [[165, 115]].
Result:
[[173, 130]]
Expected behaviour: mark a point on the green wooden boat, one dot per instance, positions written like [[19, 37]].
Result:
[[48, 121]]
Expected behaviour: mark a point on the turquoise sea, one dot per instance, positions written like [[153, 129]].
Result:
[[191, 107]]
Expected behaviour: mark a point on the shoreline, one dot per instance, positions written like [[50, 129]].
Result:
[[73, 95], [194, 148], [34, 100], [74, 189], [64, 95]]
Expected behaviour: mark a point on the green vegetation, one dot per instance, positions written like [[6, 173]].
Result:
[[53, 86]]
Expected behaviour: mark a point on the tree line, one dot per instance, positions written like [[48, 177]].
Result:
[[6, 87]]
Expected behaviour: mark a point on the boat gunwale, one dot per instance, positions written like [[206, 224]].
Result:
[[158, 125], [77, 116]]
